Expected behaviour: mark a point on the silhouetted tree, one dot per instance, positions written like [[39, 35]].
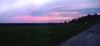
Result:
[[49, 23], [65, 22], [95, 14], [61, 22], [89, 15], [87, 19]]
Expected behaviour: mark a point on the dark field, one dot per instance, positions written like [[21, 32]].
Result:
[[44, 35]]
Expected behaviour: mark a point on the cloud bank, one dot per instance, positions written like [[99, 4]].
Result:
[[16, 11]]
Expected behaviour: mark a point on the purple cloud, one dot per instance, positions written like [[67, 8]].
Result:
[[14, 10]]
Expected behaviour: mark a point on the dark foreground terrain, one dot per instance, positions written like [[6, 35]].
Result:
[[40, 35], [90, 37]]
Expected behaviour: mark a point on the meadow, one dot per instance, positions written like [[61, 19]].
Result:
[[44, 35]]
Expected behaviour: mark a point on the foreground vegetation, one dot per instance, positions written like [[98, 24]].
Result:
[[45, 35]]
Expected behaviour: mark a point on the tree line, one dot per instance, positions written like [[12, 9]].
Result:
[[95, 18], [90, 18]]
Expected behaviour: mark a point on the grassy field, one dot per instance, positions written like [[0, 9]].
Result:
[[47, 35]]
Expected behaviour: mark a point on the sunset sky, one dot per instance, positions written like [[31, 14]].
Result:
[[44, 11]]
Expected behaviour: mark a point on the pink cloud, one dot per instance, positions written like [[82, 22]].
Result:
[[59, 13], [50, 17], [39, 18]]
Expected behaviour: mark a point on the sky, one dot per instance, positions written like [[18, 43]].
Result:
[[45, 11]]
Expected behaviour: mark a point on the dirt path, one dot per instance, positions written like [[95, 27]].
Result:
[[90, 37]]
